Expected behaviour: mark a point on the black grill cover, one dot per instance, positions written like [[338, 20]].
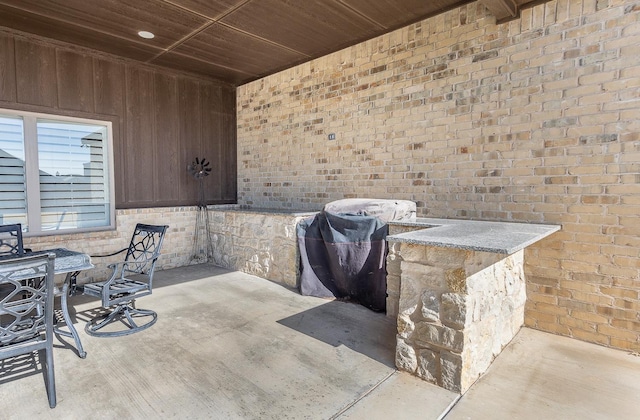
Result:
[[344, 256]]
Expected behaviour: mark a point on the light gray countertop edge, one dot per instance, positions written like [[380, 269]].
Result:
[[497, 237]]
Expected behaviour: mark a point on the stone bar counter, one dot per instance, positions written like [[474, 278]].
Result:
[[458, 291], [257, 241]]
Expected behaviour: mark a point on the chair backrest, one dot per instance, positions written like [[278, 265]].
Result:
[[144, 248], [26, 302], [11, 240]]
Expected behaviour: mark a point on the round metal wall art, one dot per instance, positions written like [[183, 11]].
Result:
[[199, 168]]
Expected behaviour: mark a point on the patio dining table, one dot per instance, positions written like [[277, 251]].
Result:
[[70, 263]]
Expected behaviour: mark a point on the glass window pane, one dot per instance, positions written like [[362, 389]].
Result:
[[74, 191], [13, 192]]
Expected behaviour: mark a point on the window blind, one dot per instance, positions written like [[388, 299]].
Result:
[[13, 196], [73, 184]]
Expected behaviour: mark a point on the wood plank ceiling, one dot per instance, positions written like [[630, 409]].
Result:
[[235, 41]]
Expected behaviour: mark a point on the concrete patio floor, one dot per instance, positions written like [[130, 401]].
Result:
[[228, 345]]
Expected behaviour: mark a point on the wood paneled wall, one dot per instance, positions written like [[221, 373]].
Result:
[[161, 120]]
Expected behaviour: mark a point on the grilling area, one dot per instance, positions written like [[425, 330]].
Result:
[[450, 284], [320, 209]]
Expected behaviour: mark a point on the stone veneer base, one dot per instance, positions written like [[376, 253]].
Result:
[[457, 310], [261, 242], [458, 291]]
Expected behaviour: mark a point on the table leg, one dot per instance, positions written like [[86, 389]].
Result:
[[67, 319]]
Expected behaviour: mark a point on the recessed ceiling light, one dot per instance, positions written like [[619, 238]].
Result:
[[146, 35]]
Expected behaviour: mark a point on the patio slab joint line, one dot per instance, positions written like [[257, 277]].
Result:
[[447, 410], [361, 397]]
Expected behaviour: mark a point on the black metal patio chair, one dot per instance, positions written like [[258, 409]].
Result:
[[11, 240], [130, 279], [26, 312]]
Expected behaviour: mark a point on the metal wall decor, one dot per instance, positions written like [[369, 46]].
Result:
[[202, 246], [199, 169]]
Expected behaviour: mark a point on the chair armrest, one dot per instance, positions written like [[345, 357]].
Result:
[[109, 255], [120, 267]]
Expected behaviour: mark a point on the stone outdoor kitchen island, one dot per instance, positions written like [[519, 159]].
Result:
[[455, 287], [459, 291]]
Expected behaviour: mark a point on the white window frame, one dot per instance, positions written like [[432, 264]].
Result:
[[32, 170]]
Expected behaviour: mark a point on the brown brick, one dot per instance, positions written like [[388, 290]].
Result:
[[617, 313], [619, 292], [550, 308], [609, 331], [575, 323], [542, 316], [553, 327], [633, 346], [578, 285], [593, 337], [592, 298], [589, 317], [630, 304], [626, 325]]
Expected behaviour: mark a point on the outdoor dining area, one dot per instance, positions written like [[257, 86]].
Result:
[[28, 290], [270, 209]]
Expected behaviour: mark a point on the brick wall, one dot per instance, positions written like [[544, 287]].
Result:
[[533, 120], [177, 248]]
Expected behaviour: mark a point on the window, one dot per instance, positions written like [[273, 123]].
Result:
[[55, 173]]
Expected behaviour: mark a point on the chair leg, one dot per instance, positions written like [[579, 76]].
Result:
[[127, 315], [50, 377]]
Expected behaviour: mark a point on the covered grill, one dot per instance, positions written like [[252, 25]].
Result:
[[343, 249]]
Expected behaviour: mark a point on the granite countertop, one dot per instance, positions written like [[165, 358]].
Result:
[[497, 237]]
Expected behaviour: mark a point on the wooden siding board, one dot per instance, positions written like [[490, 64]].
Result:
[[393, 13], [139, 146], [109, 97], [183, 62], [229, 170], [108, 79], [306, 33], [212, 9], [7, 69], [75, 81], [219, 44], [190, 128], [211, 144], [119, 164], [36, 74], [167, 163]]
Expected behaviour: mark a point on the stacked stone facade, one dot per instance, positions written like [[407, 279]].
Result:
[[259, 243], [457, 310], [531, 120]]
